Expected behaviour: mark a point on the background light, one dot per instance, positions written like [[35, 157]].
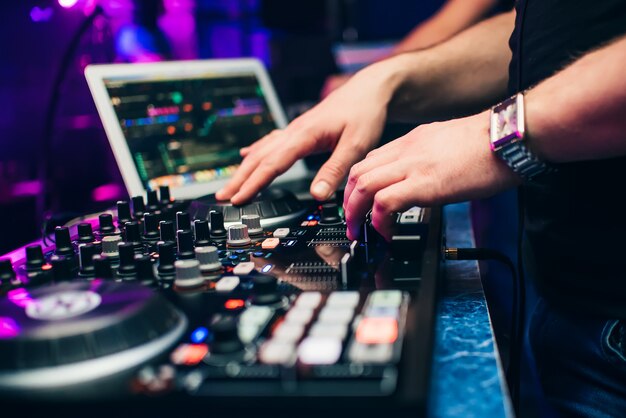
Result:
[[67, 3]]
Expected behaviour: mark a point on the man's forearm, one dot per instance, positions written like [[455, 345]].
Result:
[[580, 112], [458, 77]]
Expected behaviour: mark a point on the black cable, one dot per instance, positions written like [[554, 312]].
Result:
[[46, 140]]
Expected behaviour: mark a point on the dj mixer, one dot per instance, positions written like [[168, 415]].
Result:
[[166, 303]]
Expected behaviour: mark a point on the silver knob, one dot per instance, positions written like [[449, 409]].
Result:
[[188, 273], [109, 246], [254, 224], [208, 258], [238, 235]]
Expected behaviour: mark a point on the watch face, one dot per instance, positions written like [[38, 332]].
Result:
[[505, 124], [507, 120]]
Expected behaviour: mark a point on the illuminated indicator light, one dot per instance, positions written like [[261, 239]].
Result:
[[312, 223], [270, 243], [177, 97], [305, 223], [256, 119], [8, 328], [188, 127], [171, 130], [310, 217], [377, 331], [189, 354], [266, 268], [207, 106], [188, 107], [268, 255], [291, 243], [199, 335], [46, 267], [234, 304]]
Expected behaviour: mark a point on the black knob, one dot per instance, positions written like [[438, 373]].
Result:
[[63, 241], [185, 245], [127, 259], [167, 257], [202, 233], [150, 227], [265, 290], [34, 258], [183, 221], [168, 231], [7, 274], [61, 268], [330, 214], [102, 267], [106, 226], [164, 193], [217, 224], [132, 235], [139, 207], [225, 336], [85, 233], [85, 255], [153, 201], [145, 270], [123, 213]]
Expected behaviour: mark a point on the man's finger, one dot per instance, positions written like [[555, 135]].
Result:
[[387, 201]]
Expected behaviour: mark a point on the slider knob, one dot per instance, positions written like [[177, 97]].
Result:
[[217, 224], [330, 214], [225, 335], [254, 224], [208, 258], [238, 235], [188, 273]]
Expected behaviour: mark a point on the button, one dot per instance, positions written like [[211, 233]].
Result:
[[319, 350], [288, 331], [299, 315], [377, 331], [255, 315], [370, 353], [281, 232], [247, 333], [345, 299], [338, 331], [189, 354], [381, 312], [305, 223], [244, 268], [277, 352], [258, 254], [339, 315], [270, 243], [227, 284], [391, 298], [309, 299]]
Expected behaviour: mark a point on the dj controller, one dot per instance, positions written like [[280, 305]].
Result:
[[163, 304]]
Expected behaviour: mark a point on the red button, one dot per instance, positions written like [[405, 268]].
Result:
[[189, 354], [377, 331]]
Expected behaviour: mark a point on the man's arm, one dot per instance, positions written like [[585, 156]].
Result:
[[580, 113]]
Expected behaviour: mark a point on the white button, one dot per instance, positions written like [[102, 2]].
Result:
[[390, 298], [227, 284], [336, 315], [319, 350], [346, 299], [309, 299], [281, 233], [370, 353], [337, 331], [247, 332], [255, 315], [243, 269], [277, 352], [381, 312], [289, 332], [299, 315]]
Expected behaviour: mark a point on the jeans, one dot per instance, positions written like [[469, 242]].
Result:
[[580, 362]]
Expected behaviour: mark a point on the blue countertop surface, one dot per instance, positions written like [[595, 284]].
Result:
[[467, 378]]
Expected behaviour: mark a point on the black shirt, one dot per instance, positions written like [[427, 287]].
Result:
[[575, 223]]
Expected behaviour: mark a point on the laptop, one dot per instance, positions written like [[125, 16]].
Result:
[[182, 123]]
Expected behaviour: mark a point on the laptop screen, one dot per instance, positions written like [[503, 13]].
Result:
[[189, 130]]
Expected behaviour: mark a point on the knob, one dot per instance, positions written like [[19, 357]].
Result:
[[164, 192], [85, 233], [168, 232], [106, 226], [139, 207], [123, 213], [62, 241], [102, 267], [145, 270], [217, 224], [85, 256], [265, 290], [7, 274], [330, 214], [153, 201], [188, 273], [61, 268], [183, 222], [150, 227], [185, 244], [167, 257], [109, 246], [208, 258], [254, 224], [238, 235], [34, 258], [201, 227], [225, 335], [132, 235], [127, 259]]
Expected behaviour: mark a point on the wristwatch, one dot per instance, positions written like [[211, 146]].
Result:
[[507, 139]]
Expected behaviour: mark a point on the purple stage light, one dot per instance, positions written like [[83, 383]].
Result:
[[67, 4], [41, 14]]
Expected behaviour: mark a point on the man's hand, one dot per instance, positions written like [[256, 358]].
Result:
[[349, 121], [431, 165]]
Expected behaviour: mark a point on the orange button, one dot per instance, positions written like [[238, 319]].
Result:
[[189, 354], [270, 243], [377, 331]]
